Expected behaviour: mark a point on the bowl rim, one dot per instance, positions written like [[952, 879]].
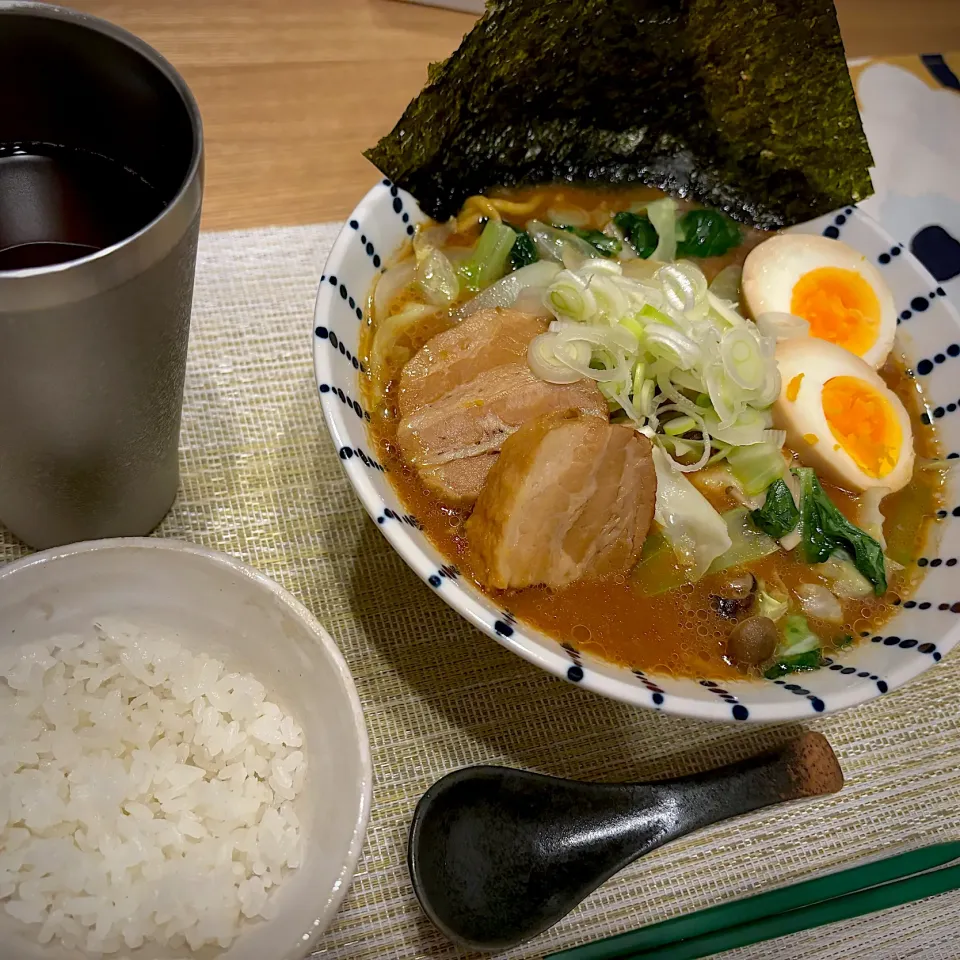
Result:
[[374, 204], [319, 633]]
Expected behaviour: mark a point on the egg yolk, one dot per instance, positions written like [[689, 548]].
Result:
[[840, 306], [864, 423]]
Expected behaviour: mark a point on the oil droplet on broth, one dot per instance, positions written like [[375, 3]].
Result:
[[581, 633]]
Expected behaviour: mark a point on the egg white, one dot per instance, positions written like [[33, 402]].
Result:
[[772, 270], [820, 361]]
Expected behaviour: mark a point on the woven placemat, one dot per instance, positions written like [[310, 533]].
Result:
[[262, 481]]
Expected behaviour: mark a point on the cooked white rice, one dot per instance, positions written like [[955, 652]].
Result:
[[146, 794]]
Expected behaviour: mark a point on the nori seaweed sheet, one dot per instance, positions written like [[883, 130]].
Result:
[[743, 105]]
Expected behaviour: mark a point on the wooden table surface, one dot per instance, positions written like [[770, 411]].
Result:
[[292, 91]]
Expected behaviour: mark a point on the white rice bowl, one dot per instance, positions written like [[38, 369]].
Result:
[[262, 775], [146, 793]]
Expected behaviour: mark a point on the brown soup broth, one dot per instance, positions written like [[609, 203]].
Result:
[[678, 632]]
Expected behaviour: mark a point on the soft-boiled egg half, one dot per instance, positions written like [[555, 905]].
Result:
[[841, 418], [832, 286]]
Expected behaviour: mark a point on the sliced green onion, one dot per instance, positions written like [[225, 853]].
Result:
[[555, 360], [570, 296], [663, 216], [679, 426], [639, 373], [742, 359], [654, 314], [633, 325], [645, 403]]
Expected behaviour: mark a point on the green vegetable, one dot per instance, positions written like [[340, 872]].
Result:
[[825, 529], [524, 251], [770, 603], [706, 233], [798, 664], [658, 570], [639, 231], [845, 579], [437, 277], [746, 543], [756, 466], [605, 245], [779, 514], [842, 642], [745, 106], [799, 650], [797, 637], [490, 258]]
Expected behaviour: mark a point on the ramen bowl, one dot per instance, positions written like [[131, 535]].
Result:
[[924, 628]]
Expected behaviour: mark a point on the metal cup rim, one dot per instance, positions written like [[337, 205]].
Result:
[[100, 270]]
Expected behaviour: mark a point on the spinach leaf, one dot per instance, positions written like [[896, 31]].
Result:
[[604, 245], [524, 250], [706, 233], [639, 231], [779, 514], [825, 529], [802, 661]]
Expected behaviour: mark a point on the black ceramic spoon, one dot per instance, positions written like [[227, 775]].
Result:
[[499, 855]]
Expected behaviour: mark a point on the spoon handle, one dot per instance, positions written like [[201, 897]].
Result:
[[804, 767]]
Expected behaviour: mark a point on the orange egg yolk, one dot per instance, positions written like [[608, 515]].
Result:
[[864, 423], [840, 306]]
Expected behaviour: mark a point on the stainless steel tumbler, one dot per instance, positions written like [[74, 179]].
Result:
[[93, 351]]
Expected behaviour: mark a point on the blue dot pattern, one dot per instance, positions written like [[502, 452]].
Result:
[[888, 256], [368, 247], [739, 711], [446, 572], [344, 293], [927, 365], [908, 643], [833, 230], [398, 207], [348, 453], [405, 518], [504, 626], [574, 673], [344, 399], [658, 694], [800, 691], [322, 333]]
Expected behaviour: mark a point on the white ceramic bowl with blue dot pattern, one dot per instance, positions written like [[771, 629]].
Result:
[[924, 629]]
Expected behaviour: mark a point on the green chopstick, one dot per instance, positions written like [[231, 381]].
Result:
[[811, 903]]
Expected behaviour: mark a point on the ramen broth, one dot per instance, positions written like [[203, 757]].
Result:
[[679, 631]]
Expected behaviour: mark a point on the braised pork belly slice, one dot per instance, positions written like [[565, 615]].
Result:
[[472, 422], [487, 339], [570, 497]]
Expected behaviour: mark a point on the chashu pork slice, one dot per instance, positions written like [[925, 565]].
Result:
[[453, 442], [570, 497], [487, 339]]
